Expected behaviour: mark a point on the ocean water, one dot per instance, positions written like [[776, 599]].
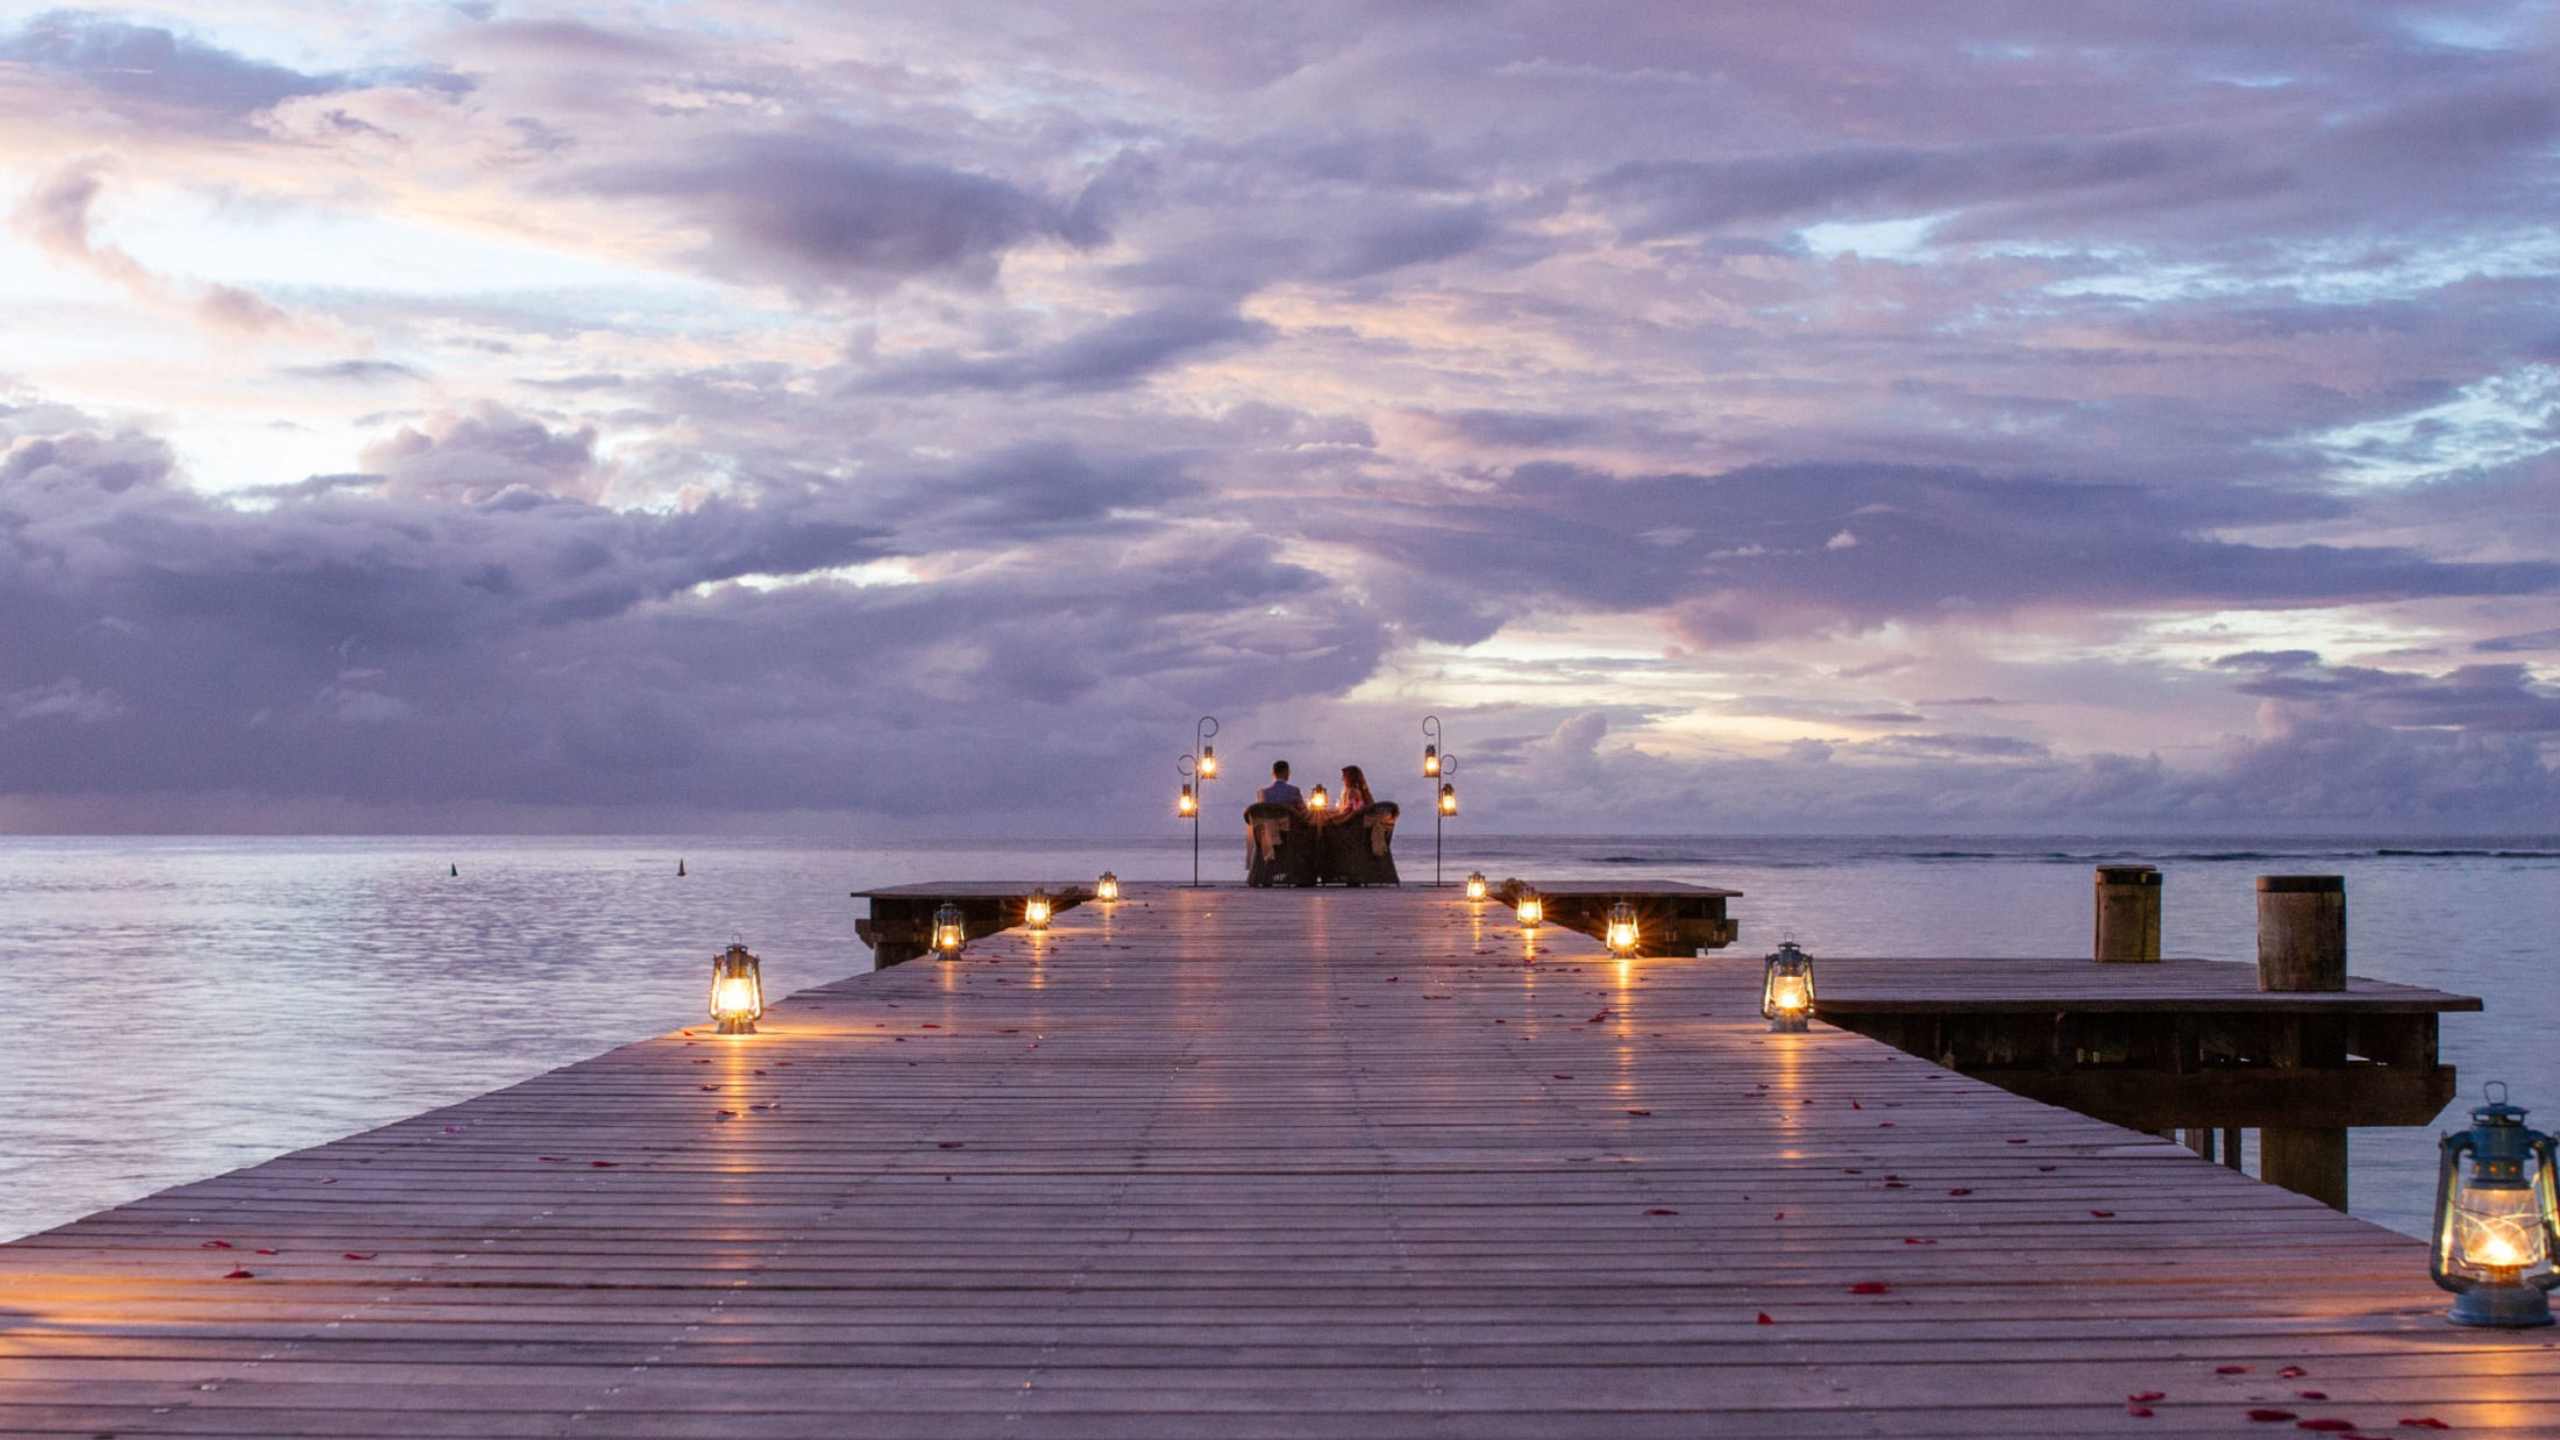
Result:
[[187, 1006]]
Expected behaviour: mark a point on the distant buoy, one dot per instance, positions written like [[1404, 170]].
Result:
[[679, 869], [455, 869]]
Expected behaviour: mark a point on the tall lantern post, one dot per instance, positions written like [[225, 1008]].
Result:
[[1437, 766], [1200, 765]]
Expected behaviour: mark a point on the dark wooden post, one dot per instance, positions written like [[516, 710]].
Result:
[[2302, 946], [2128, 914]]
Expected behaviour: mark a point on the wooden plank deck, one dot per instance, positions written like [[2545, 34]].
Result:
[[1245, 1163]]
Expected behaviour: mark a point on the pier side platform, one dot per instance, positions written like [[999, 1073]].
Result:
[[1248, 1163]]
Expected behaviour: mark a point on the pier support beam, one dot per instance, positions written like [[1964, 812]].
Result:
[[2128, 915], [2302, 946]]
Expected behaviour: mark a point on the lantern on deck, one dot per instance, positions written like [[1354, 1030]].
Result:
[[1188, 805], [1623, 934], [1475, 885], [1786, 988], [950, 932], [1208, 762], [1107, 889], [1318, 800], [737, 990], [2496, 1227], [1531, 910], [1430, 762], [1448, 798], [1035, 911]]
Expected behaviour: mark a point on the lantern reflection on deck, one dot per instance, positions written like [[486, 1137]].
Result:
[[1786, 988], [1318, 800], [1476, 885], [1035, 911], [1531, 910], [950, 932], [2496, 1226], [1623, 934], [1188, 805], [1448, 798], [737, 991], [1107, 889]]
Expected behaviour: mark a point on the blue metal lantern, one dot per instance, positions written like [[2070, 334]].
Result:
[[2496, 1229], [1786, 988]]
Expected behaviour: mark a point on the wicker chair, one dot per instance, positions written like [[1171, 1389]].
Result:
[[1280, 847]]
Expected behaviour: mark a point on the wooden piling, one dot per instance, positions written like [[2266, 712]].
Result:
[[2127, 915], [2302, 947]]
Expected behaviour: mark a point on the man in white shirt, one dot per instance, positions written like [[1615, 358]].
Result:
[[1280, 791]]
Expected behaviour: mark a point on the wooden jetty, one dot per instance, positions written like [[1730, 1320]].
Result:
[[1248, 1163]]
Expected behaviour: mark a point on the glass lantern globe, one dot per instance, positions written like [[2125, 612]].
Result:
[[1786, 988], [1035, 911], [1107, 889], [1208, 762], [737, 991], [1317, 799], [1188, 804], [2496, 1229], [1476, 888], [1448, 798], [950, 931], [1430, 762], [1624, 935], [1531, 910]]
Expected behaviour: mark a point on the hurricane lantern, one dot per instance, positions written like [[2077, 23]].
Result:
[[2496, 1229], [1188, 805], [950, 932], [1318, 800], [1786, 988], [1208, 762], [1448, 798], [737, 990], [1624, 934], [1531, 910], [1475, 885], [1107, 889], [1035, 911], [1430, 762]]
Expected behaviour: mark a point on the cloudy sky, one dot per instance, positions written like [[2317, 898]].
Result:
[[2004, 416]]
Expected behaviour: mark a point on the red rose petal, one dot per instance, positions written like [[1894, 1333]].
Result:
[[1916, 1240], [266, 1252], [241, 1275], [2145, 1397], [362, 1254], [2138, 1412], [1870, 1287], [1960, 1190], [2291, 1372], [1639, 1112], [215, 1245], [2424, 1422], [2310, 1394], [2328, 1423], [1658, 1211], [1764, 1319], [2230, 1369], [604, 1164], [2269, 1417], [2104, 1214]]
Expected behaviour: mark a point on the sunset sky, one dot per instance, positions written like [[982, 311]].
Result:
[[910, 417]]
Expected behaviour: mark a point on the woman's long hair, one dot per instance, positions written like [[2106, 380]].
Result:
[[1355, 783]]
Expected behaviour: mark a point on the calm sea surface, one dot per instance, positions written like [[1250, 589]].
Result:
[[194, 1005]]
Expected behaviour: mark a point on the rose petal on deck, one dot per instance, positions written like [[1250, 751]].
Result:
[[238, 1274], [2268, 1416], [1764, 1319], [361, 1254], [1870, 1287]]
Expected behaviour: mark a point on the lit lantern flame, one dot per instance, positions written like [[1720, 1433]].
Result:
[[1531, 910], [1786, 994], [950, 932], [737, 991], [1188, 805], [1107, 889], [1476, 886], [1035, 911], [1208, 762], [2496, 1221], [1624, 934], [1430, 762], [1448, 799], [1318, 800]]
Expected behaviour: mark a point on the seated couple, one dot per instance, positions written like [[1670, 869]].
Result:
[[1355, 797]]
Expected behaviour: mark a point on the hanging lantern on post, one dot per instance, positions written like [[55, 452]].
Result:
[[1035, 911], [1475, 885], [1188, 805], [1430, 762], [1531, 910], [1107, 889], [2496, 1228], [1624, 935], [1786, 988], [1448, 798], [950, 931], [1208, 762], [737, 991], [1318, 800]]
